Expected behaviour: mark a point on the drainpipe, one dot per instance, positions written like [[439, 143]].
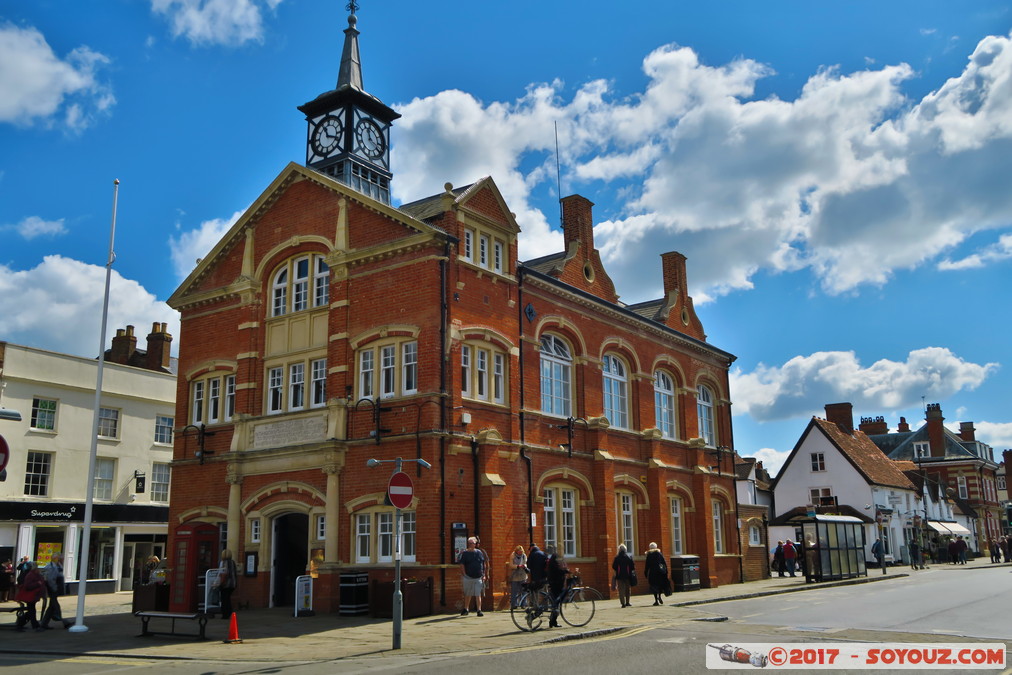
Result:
[[477, 483], [443, 426], [523, 425]]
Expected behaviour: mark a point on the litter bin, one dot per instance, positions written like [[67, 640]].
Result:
[[354, 593], [685, 573]]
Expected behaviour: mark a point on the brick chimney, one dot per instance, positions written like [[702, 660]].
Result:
[[903, 427], [874, 425], [124, 344], [159, 346], [967, 432], [842, 415], [673, 270], [936, 432], [578, 222]]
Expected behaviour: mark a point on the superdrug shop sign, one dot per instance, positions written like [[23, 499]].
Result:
[[74, 512]]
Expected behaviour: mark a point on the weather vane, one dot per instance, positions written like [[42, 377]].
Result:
[[352, 6]]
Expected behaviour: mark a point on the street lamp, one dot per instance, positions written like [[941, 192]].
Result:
[[398, 599], [9, 415]]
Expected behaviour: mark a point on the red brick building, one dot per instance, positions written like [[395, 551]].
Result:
[[328, 327]]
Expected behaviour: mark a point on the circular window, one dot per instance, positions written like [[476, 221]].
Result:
[[588, 271], [685, 316]]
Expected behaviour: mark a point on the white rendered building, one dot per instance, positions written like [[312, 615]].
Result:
[[43, 491]]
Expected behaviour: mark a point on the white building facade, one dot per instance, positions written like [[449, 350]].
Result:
[[42, 496]]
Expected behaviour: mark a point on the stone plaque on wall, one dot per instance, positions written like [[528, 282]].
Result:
[[290, 432]]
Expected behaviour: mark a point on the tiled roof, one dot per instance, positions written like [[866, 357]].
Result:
[[865, 456], [429, 207], [648, 309], [839, 510], [544, 264]]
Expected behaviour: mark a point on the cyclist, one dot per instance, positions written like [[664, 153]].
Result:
[[558, 571]]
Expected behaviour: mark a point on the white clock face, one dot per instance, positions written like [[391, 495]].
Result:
[[370, 138], [326, 135]]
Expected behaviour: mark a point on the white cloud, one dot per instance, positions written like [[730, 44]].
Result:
[[850, 179], [1000, 250], [215, 22], [192, 245], [773, 460], [996, 434], [803, 385], [36, 86], [33, 226], [53, 305]]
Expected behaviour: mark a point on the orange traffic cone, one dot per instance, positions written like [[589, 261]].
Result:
[[233, 632]]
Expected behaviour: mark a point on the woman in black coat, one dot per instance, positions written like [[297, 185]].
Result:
[[625, 570], [656, 572]]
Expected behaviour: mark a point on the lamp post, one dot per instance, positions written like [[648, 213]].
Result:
[[396, 499]]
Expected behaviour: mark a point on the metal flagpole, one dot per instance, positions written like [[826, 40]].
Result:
[[82, 567]]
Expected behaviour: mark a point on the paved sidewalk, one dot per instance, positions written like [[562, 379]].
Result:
[[274, 635]]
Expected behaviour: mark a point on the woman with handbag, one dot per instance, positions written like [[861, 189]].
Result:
[[31, 590], [228, 579], [517, 566], [625, 574]]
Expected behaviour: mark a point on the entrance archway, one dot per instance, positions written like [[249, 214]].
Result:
[[290, 556]]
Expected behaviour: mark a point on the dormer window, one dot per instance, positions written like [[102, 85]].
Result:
[[290, 289], [921, 449]]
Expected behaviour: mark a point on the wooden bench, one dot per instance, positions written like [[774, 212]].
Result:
[[199, 617]]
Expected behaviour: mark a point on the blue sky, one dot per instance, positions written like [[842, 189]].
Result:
[[839, 175]]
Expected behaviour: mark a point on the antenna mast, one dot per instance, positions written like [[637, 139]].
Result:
[[558, 171]]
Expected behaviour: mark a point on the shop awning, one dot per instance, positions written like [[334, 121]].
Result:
[[956, 528], [938, 527]]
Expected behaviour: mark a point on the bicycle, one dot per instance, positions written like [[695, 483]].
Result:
[[576, 605]]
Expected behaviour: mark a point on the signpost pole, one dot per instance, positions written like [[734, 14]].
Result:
[[400, 492], [398, 599]]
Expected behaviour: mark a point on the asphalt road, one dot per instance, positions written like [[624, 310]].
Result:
[[938, 601]]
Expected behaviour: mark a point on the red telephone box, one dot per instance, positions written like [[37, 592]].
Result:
[[195, 550]]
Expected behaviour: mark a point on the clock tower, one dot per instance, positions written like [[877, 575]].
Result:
[[348, 134]]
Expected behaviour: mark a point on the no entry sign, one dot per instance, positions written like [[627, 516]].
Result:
[[400, 490], [5, 453]]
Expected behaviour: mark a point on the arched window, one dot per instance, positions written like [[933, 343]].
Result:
[[561, 518], [704, 412], [664, 404], [677, 532], [718, 526], [625, 510], [556, 376], [616, 392], [290, 290]]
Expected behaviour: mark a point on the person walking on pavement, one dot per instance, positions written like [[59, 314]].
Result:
[[558, 570], [625, 572], [31, 589], [472, 575], [778, 559], [915, 555], [517, 565], [790, 556], [6, 581], [228, 579], [656, 572], [55, 587], [878, 552]]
